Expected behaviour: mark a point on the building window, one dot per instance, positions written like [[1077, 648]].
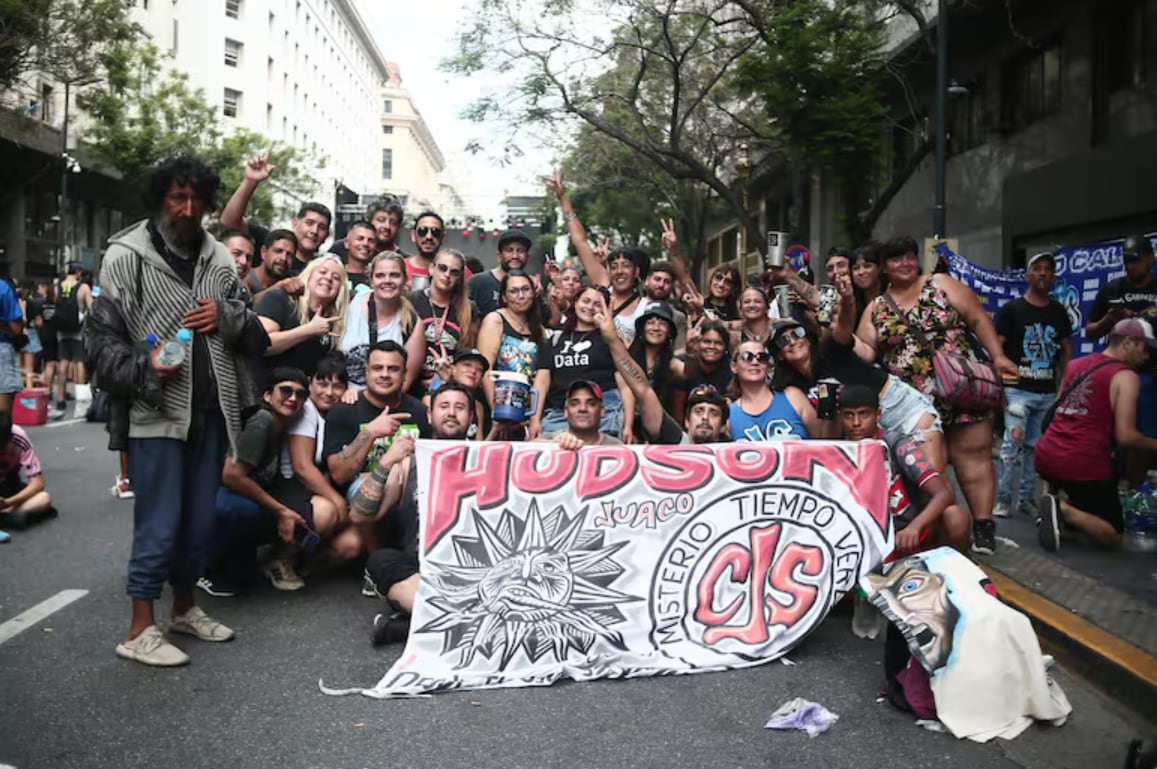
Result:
[[269, 118], [387, 164], [233, 9], [968, 118], [1031, 86], [1124, 31], [387, 129], [231, 105], [173, 48], [387, 106], [233, 53]]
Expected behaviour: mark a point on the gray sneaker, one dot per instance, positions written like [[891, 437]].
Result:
[[196, 622], [1001, 510], [151, 648]]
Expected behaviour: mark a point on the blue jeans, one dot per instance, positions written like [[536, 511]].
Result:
[[240, 526], [1022, 429], [554, 420], [174, 483]]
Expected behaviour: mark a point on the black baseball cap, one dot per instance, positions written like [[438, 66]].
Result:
[[514, 235], [656, 310], [1137, 246], [472, 353], [585, 384]]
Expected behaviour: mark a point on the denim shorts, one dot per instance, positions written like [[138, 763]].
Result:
[[903, 406], [11, 378]]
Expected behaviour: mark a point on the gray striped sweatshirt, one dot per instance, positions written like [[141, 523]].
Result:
[[140, 294]]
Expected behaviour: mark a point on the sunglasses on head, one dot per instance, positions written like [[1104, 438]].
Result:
[[704, 391], [423, 231], [444, 268], [747, 356], [789, 336], [288, 392]]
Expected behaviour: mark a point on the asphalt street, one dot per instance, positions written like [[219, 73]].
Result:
[[68, 701]]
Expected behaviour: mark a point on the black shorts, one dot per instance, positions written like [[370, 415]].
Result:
[[70, 349], [1097, 498], [11, 485], [293, 494], [50, 352]]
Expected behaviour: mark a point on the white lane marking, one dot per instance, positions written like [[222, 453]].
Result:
[[63, 422], [27, 619]]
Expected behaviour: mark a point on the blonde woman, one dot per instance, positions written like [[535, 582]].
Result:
[[380, 314], [449, 318], [303, 330]]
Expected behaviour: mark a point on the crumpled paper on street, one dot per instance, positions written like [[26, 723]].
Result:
[[804, 715]]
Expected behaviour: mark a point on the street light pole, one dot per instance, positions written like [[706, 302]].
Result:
[[62, 211], [939, 214]]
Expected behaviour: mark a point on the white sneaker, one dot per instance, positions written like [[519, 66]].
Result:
[[282, 575], [196, 622], [1001, 510], [151, 648]]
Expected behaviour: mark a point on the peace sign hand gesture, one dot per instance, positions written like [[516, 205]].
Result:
[[555, 185], [669, 238]]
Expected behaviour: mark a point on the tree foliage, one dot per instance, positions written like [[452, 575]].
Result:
[[681, 85], [22, 27]]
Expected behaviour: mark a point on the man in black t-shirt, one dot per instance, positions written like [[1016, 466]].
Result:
[[360, 245], [358, 434], [513, 254], [1132, 296], [272, 270], [1035, 333]]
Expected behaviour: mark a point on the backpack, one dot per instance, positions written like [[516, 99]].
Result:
[[67, 315]]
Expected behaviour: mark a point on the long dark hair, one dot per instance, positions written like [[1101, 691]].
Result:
[[638, 351], [694, 368], [572, 316], [869, 252], [534, 314]]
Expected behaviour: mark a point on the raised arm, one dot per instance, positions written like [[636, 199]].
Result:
[[630, 374], [257, 169], [844, 318], [595, 270]]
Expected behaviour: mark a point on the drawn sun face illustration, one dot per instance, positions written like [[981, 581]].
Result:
[[540, 584], [529, 586], [919, 598]]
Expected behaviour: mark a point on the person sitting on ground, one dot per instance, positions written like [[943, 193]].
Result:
[[389, 495], [467, 369], [358, 433], [760, 413], [23, 497], [1096, 408], [255, 494], [922, 502]]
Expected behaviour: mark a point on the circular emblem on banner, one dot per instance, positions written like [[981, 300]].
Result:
[[752, 573]]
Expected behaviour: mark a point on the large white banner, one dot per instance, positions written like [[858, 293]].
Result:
[[615, 562]]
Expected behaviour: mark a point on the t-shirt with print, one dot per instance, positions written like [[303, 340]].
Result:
[[908, 470], [19, 456], [345, 421], [259, 446], [441, 327], [1032, 339], [1141, 300], [571, 355], [281, 308], [309, 424], [355, 343]]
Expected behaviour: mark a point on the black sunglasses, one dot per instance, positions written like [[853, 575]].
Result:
[[747, 356], [289, 391], [423, 231], [789, 336], [454, 271]]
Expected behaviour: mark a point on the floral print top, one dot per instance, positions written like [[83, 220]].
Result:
[[904, 353]]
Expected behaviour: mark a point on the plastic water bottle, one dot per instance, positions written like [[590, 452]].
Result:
[[1141, 520], [173, 352]]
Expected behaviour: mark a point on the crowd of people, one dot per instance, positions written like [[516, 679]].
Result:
[[277, 439]]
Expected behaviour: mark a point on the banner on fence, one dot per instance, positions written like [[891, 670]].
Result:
[[614, 562], [1081, 271]]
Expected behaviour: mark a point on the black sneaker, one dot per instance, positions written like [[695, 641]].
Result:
[[1048, 530], [390, 628], [984, 536]]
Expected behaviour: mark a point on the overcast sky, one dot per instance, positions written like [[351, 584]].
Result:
[[417, 38]]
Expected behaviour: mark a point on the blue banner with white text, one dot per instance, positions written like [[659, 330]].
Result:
[[1081, 271]]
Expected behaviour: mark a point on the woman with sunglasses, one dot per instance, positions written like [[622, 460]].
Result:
[[951, 318], [802, 363], [448, 318], [724, 286], [511, 336], [760, 413], [708, 362], [576, 352], [380, 314], [304, 329]]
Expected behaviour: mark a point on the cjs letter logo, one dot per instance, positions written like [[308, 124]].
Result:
[[752, 573]]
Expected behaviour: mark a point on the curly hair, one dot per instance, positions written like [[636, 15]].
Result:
[[185, 171]]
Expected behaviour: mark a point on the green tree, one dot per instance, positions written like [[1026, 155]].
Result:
[[279, 198], [22, 28]]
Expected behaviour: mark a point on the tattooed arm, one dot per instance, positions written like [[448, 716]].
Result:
[[381, 488], [344, 465], [631, 375]]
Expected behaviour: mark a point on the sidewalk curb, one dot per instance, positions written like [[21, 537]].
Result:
[[1126, 672]]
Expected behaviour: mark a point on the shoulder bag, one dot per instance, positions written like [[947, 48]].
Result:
[[1065, 393]]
